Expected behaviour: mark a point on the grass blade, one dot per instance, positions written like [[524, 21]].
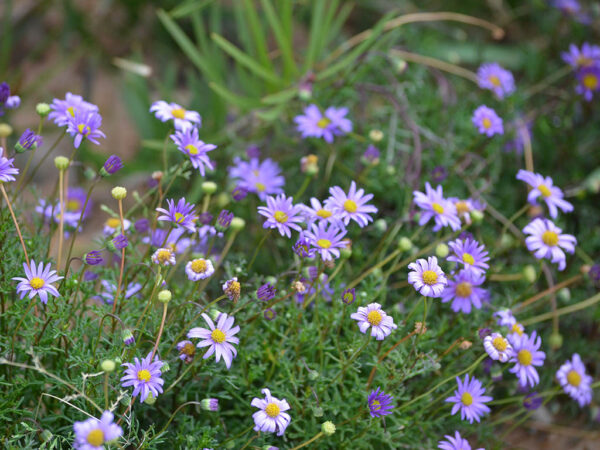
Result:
[[283, 41]]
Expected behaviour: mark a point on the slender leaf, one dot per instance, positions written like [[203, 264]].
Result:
[[233, 98], [281, 96], [258, 33], [316, 30], [283, 41], [188, 7]]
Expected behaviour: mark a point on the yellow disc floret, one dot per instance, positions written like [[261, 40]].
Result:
[[324, 243], [464, 289], [499, 343], [437, 208], [525, 357], [199, 265], [95, 437], [350, 206], [218, 336], [466, 399], [550, 238], [374, 318], [178, 113], [144, 375], [272, 410], [468, 258], [574, 378], [37, 283], [429, 277], [280, 216]]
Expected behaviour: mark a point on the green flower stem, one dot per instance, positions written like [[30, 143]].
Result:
[[351, 360], [120, 283], [12, 214], [310, 441], [562, 311], [305, 184], [61, 223], [160, 330], [260, 244]]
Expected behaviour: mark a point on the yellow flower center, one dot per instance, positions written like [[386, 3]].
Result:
[[574, 378], [280, 216], [188, 349], [517, 328], [468, 258], [494, 80], [350, 206], [272, 410], [437, 208], [324, 243], [218, 336], [83, 129], [95, 437], [582, 61], [544, 190], [429, 277], [37, 283], [499, 343], [178, 113], [73, 205], [590, 81], [179, 218], [324, 214], [374, 318], [487, 123], [462, 207], [199, 265], [144, 375], [191, 149], [550, 238], [375, 405], [463, 289], [234, 288], [164, 255], [466, 399], [260, 187], [71, 111], [322, 123], [525, 357], [113, 222]]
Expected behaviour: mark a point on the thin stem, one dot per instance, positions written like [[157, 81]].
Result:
[[161, 329], [61, 223], [311, 440], [12, 214], [566, 310], [106, 390], [35, 169], [87, 199], [303, 187], [118, 291], [260, 244]]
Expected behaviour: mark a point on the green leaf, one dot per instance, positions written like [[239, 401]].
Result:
[[272, 114], [245, 60], [258, 34], [280, 97], [283, 41], [233, 98], [188, 7]]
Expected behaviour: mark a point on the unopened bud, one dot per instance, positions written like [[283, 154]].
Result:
[[442, 250], [237, 224], [61, 162], [529, 273], [328, 428], [476, 216], [150, 400], [108, 365], [556, 341], [164, 296], [5, 130], [119, 193], [465, 345], [404, 244], [43, 109], [376, 135], [209, 187]]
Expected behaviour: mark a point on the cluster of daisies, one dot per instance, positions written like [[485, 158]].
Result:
[[585, 61]]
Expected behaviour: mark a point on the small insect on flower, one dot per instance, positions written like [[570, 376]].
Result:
[[38, 282], [199, 269], [271, 415], [351, 206], [469, 399], [92, 434], [327, 240], [454, 443], [144, 376], [7, 170], [181, 118], [427, 277], [497, 347], [232, 289], [218, 339], [263, 178], [326, 125], [575, 381], [64, 110], [281, 214], [464, 291], [495, 78], [189, 143], [543, 188], [380, 403], [164, 257], [433, 205], [470, 254], [526, 356], [186, 350], [547, 241], [487, 121], [372, 316], [85, 125], [181, 215]]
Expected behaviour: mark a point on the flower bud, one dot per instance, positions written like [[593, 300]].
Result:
[[108, 365], [529, 273], [328, 428], [442, 250], [376, 135], [93, 258], [45, 435], [348, 296], [150, 400], [224, 220], [61, 162], [164, 296], [564, 294], [28, 141], [119, 193], [476, 216], [209, 404], [117, 243], [165, 367], [5, 130], [269, 314], [318, 411], [380, 225], [142, 225], [556, 341], [209, 187], [43, 109], [237, 224], [404, 244], [112, 165], [239, 193], [465, 345], [214, 314], [128, 338]]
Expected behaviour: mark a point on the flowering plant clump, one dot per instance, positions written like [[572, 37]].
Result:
[[292, 230]]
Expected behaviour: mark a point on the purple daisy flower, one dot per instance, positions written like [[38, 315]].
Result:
[[266, 292], [144, 376], [465, 207], [38, 282], [372, 316], [326, 240], [188, 142], [63, 111], [575, 381], [332, 123], [282, 214], [7, 170], [351, 206], [586, 56], [199, 269], [495, 78], [433, 204], [271, 416], [164, 257], [505, 318], [497, 347], [109, 290], [85, 125], [380, 403], [487, 121], [181, 215], [263, 178], [454, 443], [28, 141], [526, 355], [302, 247], [320, 213], [546, 240], [4, 92], [348, 296], [589, 81], [542, 187], [111, 166], [92, 434], [469, 399], [186, 350], [219, 338], [427, 277], [464, 292], [181, 118], [232, 288], [469, 253]]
